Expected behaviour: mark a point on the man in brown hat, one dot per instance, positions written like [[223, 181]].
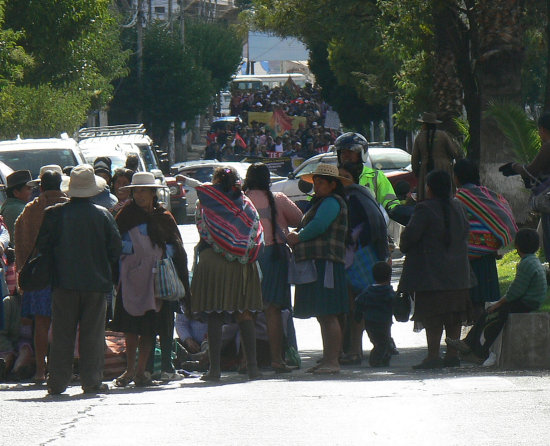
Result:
[[432, 150], [19, 194], [82, 241]]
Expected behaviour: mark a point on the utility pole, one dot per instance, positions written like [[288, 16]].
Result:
[[139, 32], [183, 124], [170, 13]]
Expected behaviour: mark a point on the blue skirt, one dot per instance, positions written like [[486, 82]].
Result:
[[487, 289], [274, 265], [37, 303], [313, 299]]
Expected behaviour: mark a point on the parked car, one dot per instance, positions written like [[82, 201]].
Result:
[[178, 199], [32, 154], [394, 162], [128, 137], [196, 173]]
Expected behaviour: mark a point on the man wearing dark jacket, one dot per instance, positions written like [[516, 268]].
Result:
[[82, 241]]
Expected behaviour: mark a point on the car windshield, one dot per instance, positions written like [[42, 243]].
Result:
[[202, 174], [390, 160], [33, 160], [117, 161]]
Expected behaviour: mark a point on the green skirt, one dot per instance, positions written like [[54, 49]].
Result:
[[313, 299], [223, 286]]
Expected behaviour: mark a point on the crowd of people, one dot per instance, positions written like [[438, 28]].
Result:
[[246, 137], [109, 243]]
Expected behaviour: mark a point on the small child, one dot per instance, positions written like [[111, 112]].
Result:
[[374, 305], [525, 294]]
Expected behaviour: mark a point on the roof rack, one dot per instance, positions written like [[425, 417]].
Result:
[[111, 130]]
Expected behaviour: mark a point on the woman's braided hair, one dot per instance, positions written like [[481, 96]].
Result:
[[258, 178], [439, 183]]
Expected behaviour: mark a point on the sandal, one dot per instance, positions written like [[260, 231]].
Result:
[[351, 359], [123, 380], [209, 377], [280, 367], [144, 380], [429, 364], [312, 369], [326, 371]]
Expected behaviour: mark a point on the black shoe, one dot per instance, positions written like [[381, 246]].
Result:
[[52, 391], [459, 345], [429, 364], [451, 362], [99, 388]]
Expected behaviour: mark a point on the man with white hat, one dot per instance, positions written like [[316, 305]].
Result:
[[82, 241]]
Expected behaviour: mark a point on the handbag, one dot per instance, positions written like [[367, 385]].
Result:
[[402, 305], [300, 273], [167, 284], [36, 273]]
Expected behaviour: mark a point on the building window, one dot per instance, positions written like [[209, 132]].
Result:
[[159, 9]]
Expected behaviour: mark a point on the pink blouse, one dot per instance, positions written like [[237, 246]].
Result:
[[288, 214]]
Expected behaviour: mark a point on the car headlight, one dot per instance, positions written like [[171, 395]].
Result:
[[174, 190]]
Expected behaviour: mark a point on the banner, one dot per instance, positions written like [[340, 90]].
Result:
[[277, 121]]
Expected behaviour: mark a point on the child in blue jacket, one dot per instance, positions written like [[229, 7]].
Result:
[[374, 306]]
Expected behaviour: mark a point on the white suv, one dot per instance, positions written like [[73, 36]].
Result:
[[32, 154]]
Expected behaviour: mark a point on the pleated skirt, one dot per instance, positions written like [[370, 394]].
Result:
[[274, 266], [487, 289], [313, 299], [223, 286]]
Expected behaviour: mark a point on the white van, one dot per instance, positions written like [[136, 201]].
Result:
[[257, 82], [129, 138], [32, 154]]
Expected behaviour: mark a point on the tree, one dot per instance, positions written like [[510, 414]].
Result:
[[344, 51], [61, 59], [178, 82], [216, 48]]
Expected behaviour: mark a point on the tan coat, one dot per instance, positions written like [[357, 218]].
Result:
[[27, 225], [445, 151]]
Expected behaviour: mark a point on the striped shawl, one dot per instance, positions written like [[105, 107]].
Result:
[[230, 225], [492, 223]]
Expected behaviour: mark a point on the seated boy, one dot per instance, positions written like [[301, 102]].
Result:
[[525, 294], [374, 305]]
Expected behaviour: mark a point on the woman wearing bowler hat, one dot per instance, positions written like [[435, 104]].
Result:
[[321, 242], [149, 233], [432, 150]]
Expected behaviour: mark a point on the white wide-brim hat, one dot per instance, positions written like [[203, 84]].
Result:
[[84, 183], [327, 170], [143, 179]]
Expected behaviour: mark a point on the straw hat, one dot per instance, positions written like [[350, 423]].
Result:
[[53, 168], [84, 183], [143, 179], [327, 170], [429, 118]]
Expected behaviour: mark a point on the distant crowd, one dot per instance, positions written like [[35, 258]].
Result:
[[246, 137]]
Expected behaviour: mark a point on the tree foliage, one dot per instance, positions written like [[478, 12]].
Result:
[[57, 61], [178, 82], [345, 34]]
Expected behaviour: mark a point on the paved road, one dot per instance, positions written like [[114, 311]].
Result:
[[360, 406]]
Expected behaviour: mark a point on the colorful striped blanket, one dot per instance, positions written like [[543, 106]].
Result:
[[230, 225], [492, 223]]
